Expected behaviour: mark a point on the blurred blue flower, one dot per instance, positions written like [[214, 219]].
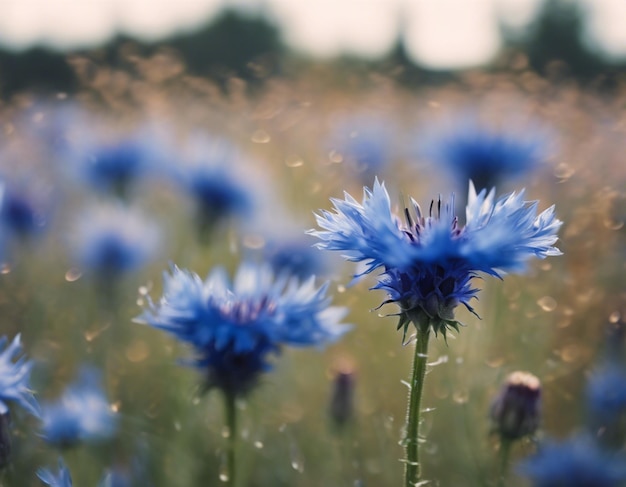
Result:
[[217, 193], [428, 262], [295, 257], [62, 479], [208, 175], [488, 157], [577, 462], [82, 413], [606, 392], [110, 161], [14, 376], [20, 214], [366, 143], [112, 240], [235, 328], [114, 166]]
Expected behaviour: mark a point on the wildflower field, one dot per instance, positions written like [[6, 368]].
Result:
[[205, 294]]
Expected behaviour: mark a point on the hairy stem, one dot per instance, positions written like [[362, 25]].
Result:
[[413, 470]]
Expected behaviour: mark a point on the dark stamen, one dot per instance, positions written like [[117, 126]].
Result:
[[407, 215]]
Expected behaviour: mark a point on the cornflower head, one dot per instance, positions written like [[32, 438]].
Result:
[[489, 157], [428, 261], [21, 214], [111, 240], [14, 376], [235, 327], [208, 173], [218, 195], [62, 479], [115, 165], [25, 208], [81, 414], [577, 462]]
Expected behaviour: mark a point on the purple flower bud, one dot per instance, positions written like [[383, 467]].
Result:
[[515, 411]]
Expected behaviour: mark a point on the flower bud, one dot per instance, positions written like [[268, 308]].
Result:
[[342, 399], [515, 411]]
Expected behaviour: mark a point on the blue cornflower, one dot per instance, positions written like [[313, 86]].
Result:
[[577, 462], [428, 262], [112, 240], [217, 193], [20, 214], [488, 157], [208, 174], [14, 377], [114, 166], [82, 413], [295, 257], [63, 479], [234, 328]]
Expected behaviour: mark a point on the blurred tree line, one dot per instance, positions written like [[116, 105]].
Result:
[[250, 47]]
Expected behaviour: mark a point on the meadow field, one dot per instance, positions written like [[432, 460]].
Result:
[[236, 173]]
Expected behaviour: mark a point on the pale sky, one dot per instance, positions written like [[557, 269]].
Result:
[[439, 33]]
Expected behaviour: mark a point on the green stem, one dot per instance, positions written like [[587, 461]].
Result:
[[505, 452], [231, 424], [413, 470]]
